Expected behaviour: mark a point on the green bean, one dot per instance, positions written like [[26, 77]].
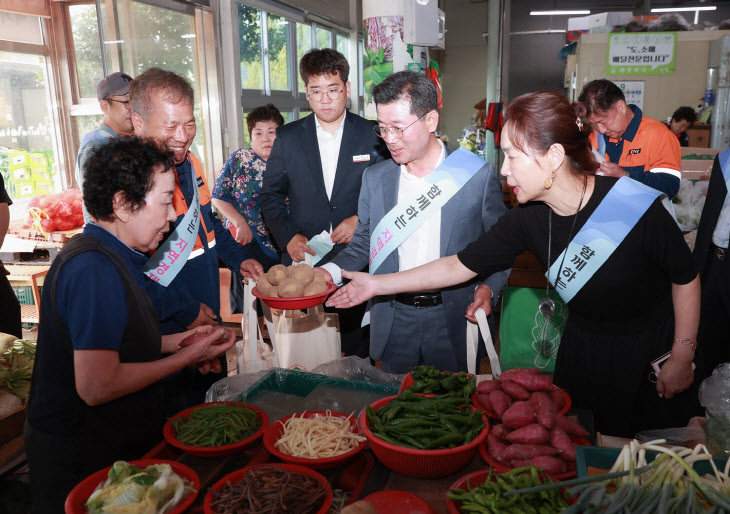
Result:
[[216, 425]]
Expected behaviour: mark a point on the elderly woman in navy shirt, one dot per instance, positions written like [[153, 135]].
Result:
[[96, 395]]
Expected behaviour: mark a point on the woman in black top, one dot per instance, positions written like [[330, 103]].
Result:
[[642, 303]]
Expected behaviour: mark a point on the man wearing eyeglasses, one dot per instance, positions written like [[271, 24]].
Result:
[[426, 327], [113, 95], [317, 163]]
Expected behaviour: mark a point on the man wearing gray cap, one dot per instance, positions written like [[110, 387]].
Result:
[[113, 95]]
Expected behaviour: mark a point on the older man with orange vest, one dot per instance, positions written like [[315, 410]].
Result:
[[184, 282]]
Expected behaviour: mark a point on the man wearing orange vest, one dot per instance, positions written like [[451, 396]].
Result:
[[184, 285]]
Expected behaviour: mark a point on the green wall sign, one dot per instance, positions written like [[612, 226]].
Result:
[[641, 53]]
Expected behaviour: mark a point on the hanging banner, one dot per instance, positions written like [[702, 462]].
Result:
[[641, 53]]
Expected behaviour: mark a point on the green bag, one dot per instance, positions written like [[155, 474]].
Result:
[[527, 339]]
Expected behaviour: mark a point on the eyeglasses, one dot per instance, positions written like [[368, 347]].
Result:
[[333, 93], [395, 131], [125, 103]]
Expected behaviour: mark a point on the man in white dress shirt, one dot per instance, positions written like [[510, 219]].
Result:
[[426, 327], [316, 164]]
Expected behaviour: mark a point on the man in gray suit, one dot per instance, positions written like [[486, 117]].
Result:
[[426, 327]]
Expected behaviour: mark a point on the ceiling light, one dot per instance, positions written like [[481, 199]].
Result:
[[675, 9], [557, 13]]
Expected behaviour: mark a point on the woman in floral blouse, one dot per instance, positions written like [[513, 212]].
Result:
[[237, 190]]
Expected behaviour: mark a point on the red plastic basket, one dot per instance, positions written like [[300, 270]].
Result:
[[274, 432], [301, 302], [238, 475], [566, 407], [420, 463], [499, 468], [214, 451], [470, 481], [79, 494]]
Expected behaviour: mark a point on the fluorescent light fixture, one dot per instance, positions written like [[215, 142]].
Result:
[[114, 42], [675, 9], [187, 36], [557, 13]]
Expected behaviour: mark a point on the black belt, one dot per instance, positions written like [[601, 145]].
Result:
[[419, 300], [720, 253]]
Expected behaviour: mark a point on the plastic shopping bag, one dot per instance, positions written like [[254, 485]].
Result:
[[252, 353]]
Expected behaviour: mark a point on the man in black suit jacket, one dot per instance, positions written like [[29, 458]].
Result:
[[713, 262], [317, 163]]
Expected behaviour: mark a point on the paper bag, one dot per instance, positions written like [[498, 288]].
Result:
[[257, 356], [304, 340]]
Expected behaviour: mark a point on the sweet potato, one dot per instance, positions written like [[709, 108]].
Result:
[[550, 465], [519, 414], [558, 398], [506, 375], [499, 402], [496, 449], [561, 442], [483, 400], [546, 411], [533, 382], [570, 427], [487, 386], [530, 434], [515, 391], [500, 431], [527, 451]]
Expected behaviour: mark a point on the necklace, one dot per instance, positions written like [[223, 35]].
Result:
[[546, 306]]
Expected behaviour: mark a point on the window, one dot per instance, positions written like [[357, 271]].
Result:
[[270, 62], [28, 134], [87, 52], [249, 28]]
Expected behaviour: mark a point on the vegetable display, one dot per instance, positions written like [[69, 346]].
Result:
[[319, 437], [429, 380], [156, 489], [220, 424], [530, 428], [668, 484], [270, 489], [16, 365], [488, 497], [426, 423]]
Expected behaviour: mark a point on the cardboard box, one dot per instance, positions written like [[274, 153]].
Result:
[[579, 23], [697, 168], [604, 22]]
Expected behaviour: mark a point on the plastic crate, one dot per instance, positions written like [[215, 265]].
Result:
[[301, 383], [24, 294]]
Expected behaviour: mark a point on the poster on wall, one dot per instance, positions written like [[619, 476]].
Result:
[[380, 35], [641, 53], [633, 91]]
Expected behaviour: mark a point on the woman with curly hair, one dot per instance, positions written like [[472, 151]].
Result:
[[96, 395], [236, 194]]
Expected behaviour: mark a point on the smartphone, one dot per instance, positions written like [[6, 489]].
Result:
[[656, 364]]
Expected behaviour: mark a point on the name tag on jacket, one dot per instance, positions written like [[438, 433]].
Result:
[[361, 158]]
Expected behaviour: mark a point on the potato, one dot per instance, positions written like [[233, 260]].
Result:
[[319, 277], [276, 274], [301, 272], [265, 288], [290, 288], [315, 288]]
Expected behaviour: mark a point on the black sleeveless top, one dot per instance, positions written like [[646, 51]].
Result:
[[125, 428]]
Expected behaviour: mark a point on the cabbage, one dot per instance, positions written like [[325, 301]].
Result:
[[156, 489]]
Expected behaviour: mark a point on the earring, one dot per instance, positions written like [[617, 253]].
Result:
[[549, 181]]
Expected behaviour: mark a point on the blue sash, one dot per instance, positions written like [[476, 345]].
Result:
[[605, 230], [172, 255], [408, 215], [724, 159]]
